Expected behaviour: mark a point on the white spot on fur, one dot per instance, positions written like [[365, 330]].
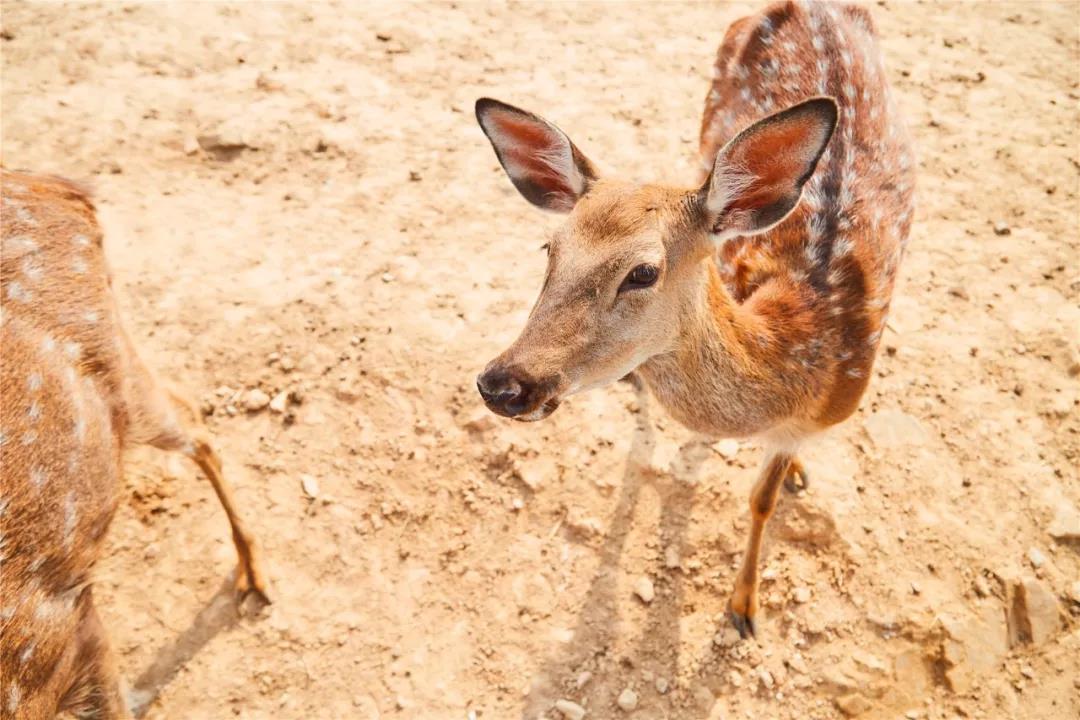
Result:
[[14, 695], [18, 293], [31, 270], [842, 246], [81, 240], [21, 244], [91, 316], [33, 382], [27, 653], [72, 350], [37, 477], [34, 412], [854, 373], [24, 216], [78, 265], [48, 345], [29, 437]]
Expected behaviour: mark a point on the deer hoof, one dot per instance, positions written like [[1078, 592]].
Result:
[[797, 479]]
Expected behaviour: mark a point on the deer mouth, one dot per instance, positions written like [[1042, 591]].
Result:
[[546, 408]]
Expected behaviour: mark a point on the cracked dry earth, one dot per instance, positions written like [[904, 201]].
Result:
[[297, 200]]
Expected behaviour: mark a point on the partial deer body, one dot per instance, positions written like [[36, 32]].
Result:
[[75, 395], [753, 304]]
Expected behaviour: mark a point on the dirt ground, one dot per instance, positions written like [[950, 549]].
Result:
[[297, 199]]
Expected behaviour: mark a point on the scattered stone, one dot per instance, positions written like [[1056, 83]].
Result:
[[643, 588], [583, 679], [798, 664], [280, 402], [310, 486], [894, 428], [672, 560], [662, 686], [1065, 527], [1034, 614], [570, 709], [972, 647], [191, 145], [535, 471], [766, 678], [801, 595], [1074, 592], [982, 586], [735, 678], [286, 363], [1002, 228], [1036, 557], [727, 448], [255, 400], [1028, 672], [627, 701], [852, 704], [728, 637]]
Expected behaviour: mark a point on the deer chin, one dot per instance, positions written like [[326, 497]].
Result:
[[546, 408]]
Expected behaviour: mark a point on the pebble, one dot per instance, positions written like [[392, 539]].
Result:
[[1036, 610], [801, 595], [735, 678], [570, 709], [643, 588], [286, 363], [798, 664], [728, 637], [255, 400], [662, 686], [766, 678], [310, 486], [1028, 672], [671, 557], [627, 700], [1074, 592], [727, 448], [1065, 527], [1002, 228], [583, 679], [278, 404], [1036, 557]]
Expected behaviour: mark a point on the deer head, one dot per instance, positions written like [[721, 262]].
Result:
[[620, 270]]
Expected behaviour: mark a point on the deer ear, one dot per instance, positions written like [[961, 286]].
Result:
[[758, 176], [541, 161]]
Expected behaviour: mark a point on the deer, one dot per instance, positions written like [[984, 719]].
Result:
[[76, 395], [751, 304]]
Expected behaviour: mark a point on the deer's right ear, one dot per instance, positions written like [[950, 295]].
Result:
[[545, 167]]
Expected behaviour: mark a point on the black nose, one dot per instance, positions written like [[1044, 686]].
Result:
[[502, 392]]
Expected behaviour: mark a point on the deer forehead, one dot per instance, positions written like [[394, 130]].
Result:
[[615, 219]]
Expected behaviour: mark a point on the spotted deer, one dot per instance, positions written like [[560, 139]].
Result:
[[751, 304], [75, 396]]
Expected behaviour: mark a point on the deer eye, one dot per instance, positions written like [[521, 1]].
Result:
[[642, 276]]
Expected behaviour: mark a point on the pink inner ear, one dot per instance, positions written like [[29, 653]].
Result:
[[535, 153], [776, 155]]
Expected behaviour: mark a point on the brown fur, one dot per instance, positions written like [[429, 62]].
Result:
[[75, 395]]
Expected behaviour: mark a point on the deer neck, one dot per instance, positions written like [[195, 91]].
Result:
[[716, 377]]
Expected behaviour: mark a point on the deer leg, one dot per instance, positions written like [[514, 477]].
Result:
[[193, 440], [743, 605], [95, 692], [797, 478]]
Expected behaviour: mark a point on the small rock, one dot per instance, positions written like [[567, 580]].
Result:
[[1002, 228], [310, 486], [766, 678], [255, 400], [643, 588], [627, 701], [727, 448], [1065, 527], [671, 557], [570, 709], [798, 664], [662, 686], [1074, 592], [852, 704], [1028, 672], [583, 679], [534, 472], [982, 586], [728, 637], [191, 145], [280, 401], [286, 363], [1034, 615], [801, 595], [735, 678], [1036, 558]]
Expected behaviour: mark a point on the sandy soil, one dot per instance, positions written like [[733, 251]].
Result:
[[298, 199]]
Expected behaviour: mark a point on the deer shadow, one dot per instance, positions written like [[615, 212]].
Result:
[[219, 614], [597, 624]]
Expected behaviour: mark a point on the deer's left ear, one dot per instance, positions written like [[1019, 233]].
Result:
[[545, 167], [758, 176]]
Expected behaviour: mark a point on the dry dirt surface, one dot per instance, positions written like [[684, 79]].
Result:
[[296, 199]]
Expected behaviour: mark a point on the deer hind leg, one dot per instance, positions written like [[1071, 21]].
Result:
[[164, 418], [95, 689], [195, 443], [743, 605]]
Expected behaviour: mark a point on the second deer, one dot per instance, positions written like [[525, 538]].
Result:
[[752, 304], [75, 396]]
